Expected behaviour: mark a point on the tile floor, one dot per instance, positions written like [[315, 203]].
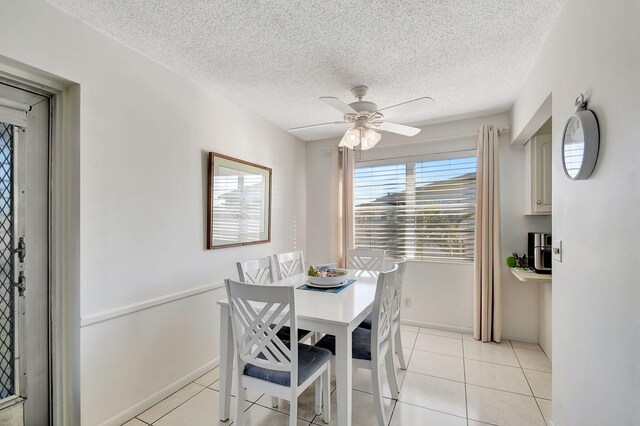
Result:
[[451, 380]]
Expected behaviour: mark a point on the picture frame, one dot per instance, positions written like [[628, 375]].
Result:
[[239, 202]]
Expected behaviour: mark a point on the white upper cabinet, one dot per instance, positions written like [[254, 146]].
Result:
[[537, 176]]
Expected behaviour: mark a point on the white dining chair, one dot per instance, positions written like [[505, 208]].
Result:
[[397, 306], [256, 271], [268, 364], [289, 264], [260, 272], [372, 348], [365, 259]]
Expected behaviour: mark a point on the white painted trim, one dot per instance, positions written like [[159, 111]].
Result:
[[145, 404], [443, 327], [99, 317]]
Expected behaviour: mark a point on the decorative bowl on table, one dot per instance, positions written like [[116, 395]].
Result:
[[326, 276]]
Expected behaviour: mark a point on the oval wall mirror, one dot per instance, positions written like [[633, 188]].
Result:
[[580, 142]]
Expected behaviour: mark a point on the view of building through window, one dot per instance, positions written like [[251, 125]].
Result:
[[423, 210]]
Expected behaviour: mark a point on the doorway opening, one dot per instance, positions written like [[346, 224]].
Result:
[[25, 350], [39, 247]]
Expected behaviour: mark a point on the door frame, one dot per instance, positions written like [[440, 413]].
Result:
[[64, 232]]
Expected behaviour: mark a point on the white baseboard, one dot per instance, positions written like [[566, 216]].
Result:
[[444, 327], [152, 400]]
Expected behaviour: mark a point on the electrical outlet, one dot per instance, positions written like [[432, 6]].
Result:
[[407, 302]]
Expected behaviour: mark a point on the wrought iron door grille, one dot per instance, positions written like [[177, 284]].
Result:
[[7, 339]]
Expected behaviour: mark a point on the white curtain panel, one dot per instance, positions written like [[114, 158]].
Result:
[[346, 160], [487, 300]]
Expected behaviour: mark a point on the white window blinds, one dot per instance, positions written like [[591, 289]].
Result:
[[423, 210]]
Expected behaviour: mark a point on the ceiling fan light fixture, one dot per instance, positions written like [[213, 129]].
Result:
[[351, 138], [370, 139]]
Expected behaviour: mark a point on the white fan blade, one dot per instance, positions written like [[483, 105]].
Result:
[[400, 129], [338, 104], [407, 107], [313, 126]]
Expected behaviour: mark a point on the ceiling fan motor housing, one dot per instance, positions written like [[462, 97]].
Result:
[[364, 106]]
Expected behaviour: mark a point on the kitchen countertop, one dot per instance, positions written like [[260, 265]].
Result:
[[528, 275]]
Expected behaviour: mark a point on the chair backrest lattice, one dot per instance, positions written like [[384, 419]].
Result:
[[383, 308], [397, 299], [257, 314], [258, 271], [365, 259], [289, 264]]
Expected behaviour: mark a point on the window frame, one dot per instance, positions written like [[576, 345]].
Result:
[[462, 153]]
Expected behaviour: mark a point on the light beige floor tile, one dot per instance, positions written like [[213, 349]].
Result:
[[499, 353], [434, 393], [439, 344], [251, 395], [433, 364], [526, 345], [412, 328], [135, 422], [477, 423], [363, 413], [408, 338], [496, 376], [442, 333], [209, 378], [306, 404], [502, 408], [258, 416], [466, 336], [361, 380], [201, 410], [540, 382], [406, 414], [546, 408], [533, 360], [169, 403]]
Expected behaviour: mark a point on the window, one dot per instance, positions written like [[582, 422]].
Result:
[[424, 210]]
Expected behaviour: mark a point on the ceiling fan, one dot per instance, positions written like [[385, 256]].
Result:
[[367, 118]]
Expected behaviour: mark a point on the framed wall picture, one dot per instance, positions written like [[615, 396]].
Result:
[[239, 206]]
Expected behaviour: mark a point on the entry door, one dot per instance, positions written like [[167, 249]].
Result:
[[24, 282]]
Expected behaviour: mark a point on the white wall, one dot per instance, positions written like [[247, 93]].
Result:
[[593, 48], [441, 293], [145, 132]]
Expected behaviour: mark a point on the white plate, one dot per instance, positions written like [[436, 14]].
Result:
[[310, 284]]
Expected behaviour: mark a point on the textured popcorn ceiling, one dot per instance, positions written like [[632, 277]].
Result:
[[277, 57]]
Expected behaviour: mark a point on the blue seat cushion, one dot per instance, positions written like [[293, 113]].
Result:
[[360, 344], [285, 333], [310, 359], [366, 323]]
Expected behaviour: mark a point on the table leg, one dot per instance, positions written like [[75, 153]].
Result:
[[343, 376], [226, 362]]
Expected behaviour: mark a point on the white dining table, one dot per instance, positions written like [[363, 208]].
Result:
[[337, 314]]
